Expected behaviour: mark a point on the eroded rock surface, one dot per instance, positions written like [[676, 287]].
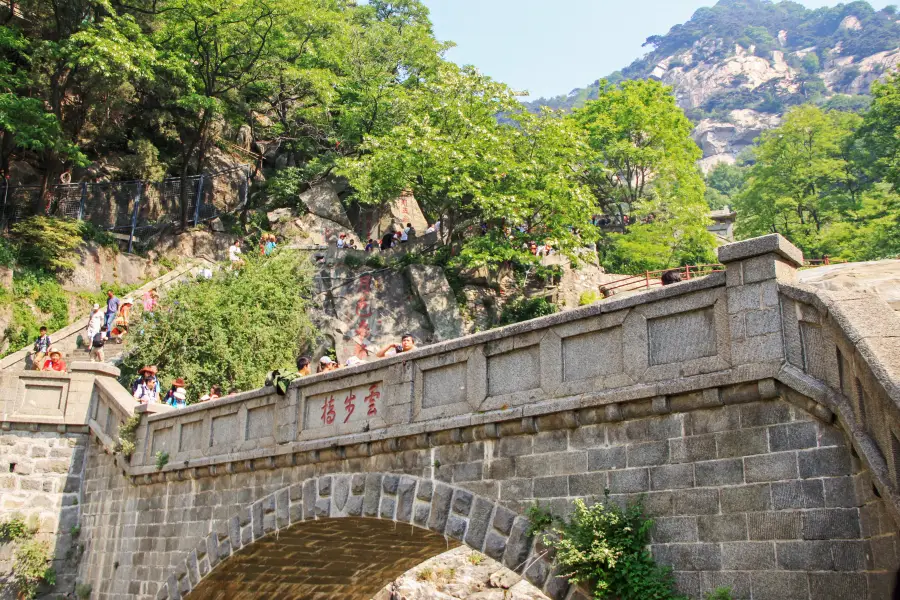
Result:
[[460, 574]]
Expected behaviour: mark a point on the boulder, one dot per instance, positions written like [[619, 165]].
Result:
[[312, 230], [195, 243], [375, 222], [322, 200], [435, 294], [217, 226], [279, 215], [96, 266], [244, 137]]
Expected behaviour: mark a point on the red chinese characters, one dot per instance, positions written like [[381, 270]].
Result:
[[349, 407], [328, 413], [374, 395]]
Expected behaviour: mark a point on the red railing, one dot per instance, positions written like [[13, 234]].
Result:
[[650, 278], [820, 262]]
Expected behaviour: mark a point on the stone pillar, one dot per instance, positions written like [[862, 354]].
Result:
[[753, 269]]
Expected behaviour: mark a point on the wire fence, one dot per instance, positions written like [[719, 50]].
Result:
[[130, 207]]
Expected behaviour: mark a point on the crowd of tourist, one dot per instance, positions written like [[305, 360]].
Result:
[[110, 323], [392, 238]]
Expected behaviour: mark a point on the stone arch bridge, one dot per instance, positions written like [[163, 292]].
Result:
[[758, 419]]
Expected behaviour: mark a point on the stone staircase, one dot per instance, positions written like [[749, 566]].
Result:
[[70, 339]]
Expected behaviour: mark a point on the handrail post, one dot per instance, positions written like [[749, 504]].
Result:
[[246, 185], [83, 199], [198, 198], [134, 213]]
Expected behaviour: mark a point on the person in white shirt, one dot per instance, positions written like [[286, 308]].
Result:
[[234, 253], [340, 240], [404, 236]]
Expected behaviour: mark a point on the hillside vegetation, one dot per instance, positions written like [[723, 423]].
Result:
[[800, 45]]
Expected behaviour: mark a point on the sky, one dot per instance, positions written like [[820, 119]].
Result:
[[550, 48]]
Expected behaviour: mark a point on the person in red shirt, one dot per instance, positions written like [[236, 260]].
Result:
[[55, 362]]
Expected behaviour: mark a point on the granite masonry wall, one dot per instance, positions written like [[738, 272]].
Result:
[[757, 418]]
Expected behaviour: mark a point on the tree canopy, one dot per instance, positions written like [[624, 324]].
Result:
[[229, 330]]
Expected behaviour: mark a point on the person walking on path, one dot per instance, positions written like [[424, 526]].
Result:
[[112, 309], [97, 343], [95, 321]]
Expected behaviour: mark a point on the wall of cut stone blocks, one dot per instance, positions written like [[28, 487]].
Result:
[[41, 483], [754, 494]]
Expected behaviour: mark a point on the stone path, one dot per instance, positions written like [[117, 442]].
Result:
[[69, 339]]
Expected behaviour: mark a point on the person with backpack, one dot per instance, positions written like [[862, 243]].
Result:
[[97, 343], [169, 398], [41, 348], [146, 390]]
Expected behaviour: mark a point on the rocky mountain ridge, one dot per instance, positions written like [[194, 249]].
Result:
[[735, 68]]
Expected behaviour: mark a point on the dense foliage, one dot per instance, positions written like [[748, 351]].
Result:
[[229, 330], [606, 548], [642, 170], [32, 558], [827, 180]]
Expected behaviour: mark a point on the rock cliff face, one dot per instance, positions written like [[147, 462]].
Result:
[[735, 68]]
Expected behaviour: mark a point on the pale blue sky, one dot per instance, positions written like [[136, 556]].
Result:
[[549, 48]]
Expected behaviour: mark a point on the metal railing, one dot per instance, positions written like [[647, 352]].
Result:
[[648, 279], [129, 207]]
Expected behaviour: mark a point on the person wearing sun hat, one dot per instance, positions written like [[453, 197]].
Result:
[[147, 390], [55, 362], [169, 398], [179, 398]]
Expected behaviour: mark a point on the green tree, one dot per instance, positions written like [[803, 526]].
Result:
[[722, 183], [213, 51], [803, 178], [230, 330], [878, 133], [468, 168], [642, 164]]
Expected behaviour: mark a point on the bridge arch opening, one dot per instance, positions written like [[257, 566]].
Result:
[[347, 536], [351, 558]]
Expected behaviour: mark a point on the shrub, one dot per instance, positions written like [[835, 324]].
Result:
[[83, 590], [524, 309], [376, 261], [7, 253], [162, 459], [47, 242], [127, 434], [31, 568], [588, 297], [229, 330], [721, 593], [606, 547], [353, 261], [16, 529], [92, 233]]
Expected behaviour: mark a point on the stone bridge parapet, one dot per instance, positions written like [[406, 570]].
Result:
[[757, 418]]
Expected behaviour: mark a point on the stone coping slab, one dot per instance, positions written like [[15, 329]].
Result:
[[774, 244]]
